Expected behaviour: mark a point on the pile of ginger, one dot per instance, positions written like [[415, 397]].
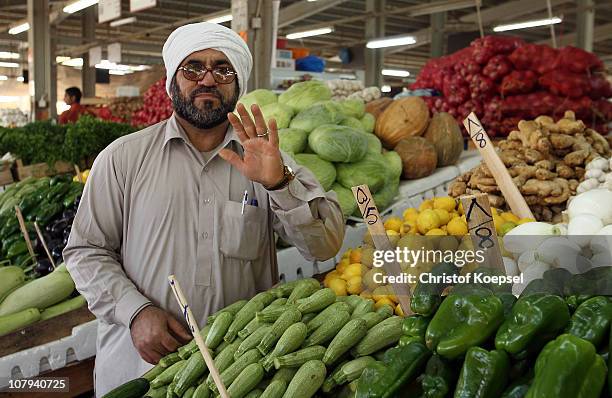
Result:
[[546, 161]]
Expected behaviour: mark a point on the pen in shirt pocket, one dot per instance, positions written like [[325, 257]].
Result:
[[253, 202]]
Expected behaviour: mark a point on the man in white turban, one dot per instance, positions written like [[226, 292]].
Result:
[[200, 196]]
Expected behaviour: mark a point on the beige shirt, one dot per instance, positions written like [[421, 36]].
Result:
[[152, 206]]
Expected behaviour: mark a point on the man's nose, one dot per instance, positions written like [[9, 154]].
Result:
[[208, 80]]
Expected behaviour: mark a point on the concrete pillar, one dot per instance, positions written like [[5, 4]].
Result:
[[88, 73], [53, 86], [437, 20], [585, 21], [39, 56], [374, 58]]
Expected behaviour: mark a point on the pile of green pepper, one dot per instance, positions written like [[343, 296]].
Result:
[[480, 343]]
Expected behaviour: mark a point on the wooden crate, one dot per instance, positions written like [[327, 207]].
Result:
[[44, 332], [6, 177], [39, 170]]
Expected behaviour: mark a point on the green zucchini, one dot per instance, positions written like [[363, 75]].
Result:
[[300, 357], [352, 370], [278, 301], [284, 289], [330, 383], [190, 373], [218, 329], [63, 307], [189, 393], [230, 374], [232, 309], [288, 318], [189, 348], [353, 301], [308, 317], [18, 320], [252, 326], [153, 372], [246, 381], [380, 336], [242, 318], [328, 330], [168, 374], [386, 311], [326, 314], [256, 393], [372, 318], [290, 341], [223, 360], [170, 391], [275, 389], [347, 337], [157, 392], [362, 308], [201, 391], [11, 277], [252, 341], [272, 314], [316, 302], [266, 298], [169, 360], [304, 288], [307, 380], [132, 389]]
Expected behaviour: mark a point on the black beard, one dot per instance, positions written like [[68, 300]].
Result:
[[209, 115]]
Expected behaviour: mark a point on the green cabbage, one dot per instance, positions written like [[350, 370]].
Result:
[[374, 144], [332, 106], [368, 121], [315, 116], [353, 123], [384, 197], [304, 94], [292, 140], [338, 143], [324, 171], [260, 97], [345, 198], [353, 107], [394, 164], [370, 171], [282, 114]]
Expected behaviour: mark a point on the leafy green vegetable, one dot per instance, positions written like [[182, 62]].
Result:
[[394, 164], [315, 116], [352, 123], [368, 121], [292, 140], [370, 171], [304, 94], [338, 143], [282, 113], [324, 171], [260, 97], [346, 199], [374, 144], [353, 107]]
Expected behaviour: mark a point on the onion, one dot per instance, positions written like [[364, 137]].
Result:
[[529, 236], [581, 228], [597, 202]]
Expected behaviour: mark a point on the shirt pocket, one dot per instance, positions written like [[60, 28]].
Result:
[[243, 236]]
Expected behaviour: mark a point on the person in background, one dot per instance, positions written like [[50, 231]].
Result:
[[72, 97]]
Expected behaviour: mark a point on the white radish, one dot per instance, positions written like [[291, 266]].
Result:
[[597, 202], [581, 228], [557, 250], [529, 236]]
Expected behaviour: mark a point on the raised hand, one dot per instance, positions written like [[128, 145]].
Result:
[[262, 160]]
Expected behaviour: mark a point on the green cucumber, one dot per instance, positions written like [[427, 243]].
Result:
[[218, 329], [316, 302], [328, 330], [307, 380], [347, 337], [18, 320], [300, 357], [246, 381], [132, 389], [63, 307]]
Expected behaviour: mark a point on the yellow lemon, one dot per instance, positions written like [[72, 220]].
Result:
[[342, 265], [457, 227], [393, 237], [426, 205], [410, 214], [436, 232], [460, 207], [443, 216], [445, 203], [384, 301], [330, 275], [506, 228], [346, 254], [498, 222], [367, 256], [366, 294], [398, 310], [353, 285], [525, 220], [355, 256], [393, 223], [338, 286], [354, 269], [427, 220], [510, 217]]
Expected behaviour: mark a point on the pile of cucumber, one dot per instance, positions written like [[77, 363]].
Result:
[[292, 341]]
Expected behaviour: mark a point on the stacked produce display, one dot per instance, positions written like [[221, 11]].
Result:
[[352, 89], [503, 80], [547, 161], [156, 106]]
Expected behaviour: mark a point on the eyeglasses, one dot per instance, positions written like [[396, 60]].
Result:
[[221, 74]]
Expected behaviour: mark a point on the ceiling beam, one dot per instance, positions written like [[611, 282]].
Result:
[[304, 9], [600, 33]]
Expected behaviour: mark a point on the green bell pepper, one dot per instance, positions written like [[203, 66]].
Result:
[[406, 340], [427, 296], [535, 320], [464, 320], [508, 300], [16, 249], [610, 365], [400, 365], [46, 213], [568, 367], [57, 192], [591, 321], [439, 379], [415, 326], [484, 374], [574, 301], [519, 388]]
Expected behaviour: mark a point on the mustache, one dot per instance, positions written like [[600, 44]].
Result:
[[205, 90]]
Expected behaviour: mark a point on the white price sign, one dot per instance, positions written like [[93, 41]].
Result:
[[114, 53], [95, 55], [139, 5], [108, 10]]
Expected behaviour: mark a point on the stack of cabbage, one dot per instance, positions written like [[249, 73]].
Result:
[[334, 139]]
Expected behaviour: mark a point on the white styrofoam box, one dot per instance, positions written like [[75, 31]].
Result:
[[282, 63], [80, 345], [285, 54], [439, 177], [468, 160], [127, 91]]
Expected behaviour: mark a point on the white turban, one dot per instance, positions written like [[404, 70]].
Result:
[[188, 39]]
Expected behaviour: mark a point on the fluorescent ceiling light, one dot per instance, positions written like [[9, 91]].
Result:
[[308, 33], [78, 6], [60, 59], [119, 72], [9, 55], [395, 72], [9, 65], [528, 24], [15, 30], [76, 62], [123, 21], [385, 89], [220, 19], [20, 79], [3, 77], [391, 42]]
